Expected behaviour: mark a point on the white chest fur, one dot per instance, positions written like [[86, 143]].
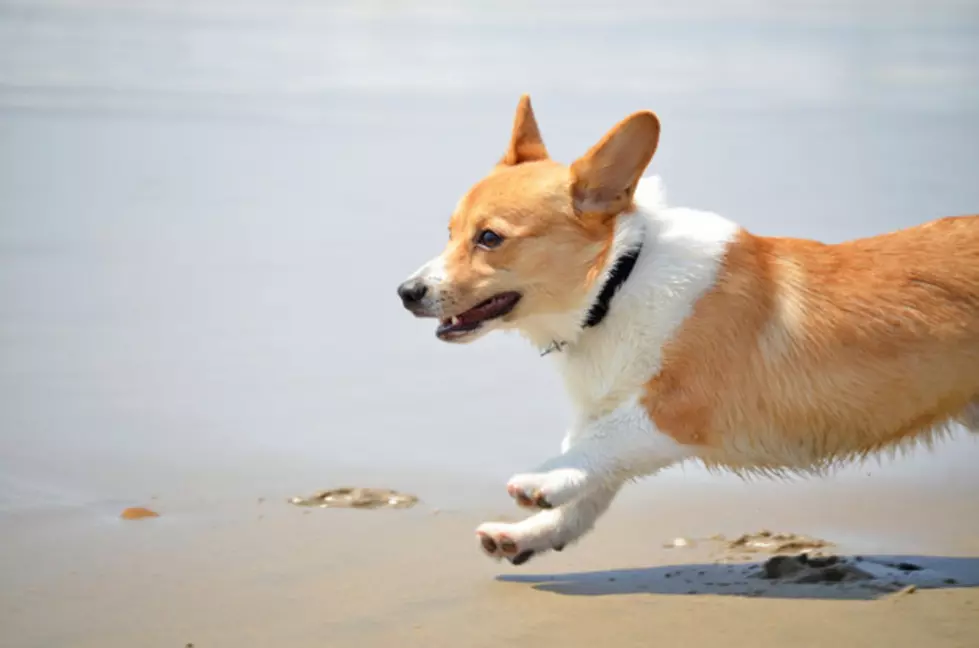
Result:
[[682, 252]]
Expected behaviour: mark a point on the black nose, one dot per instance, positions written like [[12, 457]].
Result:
[[412, 291]]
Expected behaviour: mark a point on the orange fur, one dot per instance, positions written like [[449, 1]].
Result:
[[759, 355], [800, 356], [809, 354], [558, 221], [553, 254]]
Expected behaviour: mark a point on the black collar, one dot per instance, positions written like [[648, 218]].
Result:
[[620, 272]]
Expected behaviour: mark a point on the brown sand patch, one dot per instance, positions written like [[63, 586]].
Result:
[[765, 541], [360, 498], [138, 513], [748, 546]]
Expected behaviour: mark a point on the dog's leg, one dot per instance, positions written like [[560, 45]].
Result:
[[547, 530], [576, 487], [610, 449]]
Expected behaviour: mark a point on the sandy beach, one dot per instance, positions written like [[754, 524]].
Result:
[[205, 210], [263, 572]]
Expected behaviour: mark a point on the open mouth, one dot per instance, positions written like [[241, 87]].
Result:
[[470, 320]]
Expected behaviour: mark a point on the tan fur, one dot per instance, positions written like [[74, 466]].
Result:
[[548, 253], [806, 354], [801, 356], [557, 221], [761, 355], [604, 179]]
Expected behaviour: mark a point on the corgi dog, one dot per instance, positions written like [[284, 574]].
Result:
[[681, 336]]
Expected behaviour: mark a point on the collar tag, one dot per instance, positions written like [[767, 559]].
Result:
[[552, 347]]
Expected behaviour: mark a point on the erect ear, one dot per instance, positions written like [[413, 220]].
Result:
[[604, 179], [526, 144]]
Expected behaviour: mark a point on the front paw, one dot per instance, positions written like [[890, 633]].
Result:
[[515, 542], [545, 490], [527, 497]]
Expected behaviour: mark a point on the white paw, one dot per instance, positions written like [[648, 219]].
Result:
[[520, 541], [546, 490]]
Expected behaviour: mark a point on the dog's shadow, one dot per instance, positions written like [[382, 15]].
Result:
[[890, 575]]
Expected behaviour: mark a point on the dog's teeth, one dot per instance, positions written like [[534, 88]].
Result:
[[454, 321]]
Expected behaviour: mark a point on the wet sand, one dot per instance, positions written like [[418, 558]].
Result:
[[259, 572]]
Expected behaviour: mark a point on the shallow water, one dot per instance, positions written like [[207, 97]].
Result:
[[205, 209]]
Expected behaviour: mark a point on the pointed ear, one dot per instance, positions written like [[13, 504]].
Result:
[[526, 144], [604, 179]]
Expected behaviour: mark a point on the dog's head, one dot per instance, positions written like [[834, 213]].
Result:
[[532, 237]]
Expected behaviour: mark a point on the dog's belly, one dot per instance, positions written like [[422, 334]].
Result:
[[825, 436]]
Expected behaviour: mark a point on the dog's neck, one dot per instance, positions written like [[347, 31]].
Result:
[[682, 252], [558, 332], [621, 270]]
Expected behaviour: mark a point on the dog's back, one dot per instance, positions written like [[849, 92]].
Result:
[[804, 354]]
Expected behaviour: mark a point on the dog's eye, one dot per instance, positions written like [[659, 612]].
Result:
[[488, 239]]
